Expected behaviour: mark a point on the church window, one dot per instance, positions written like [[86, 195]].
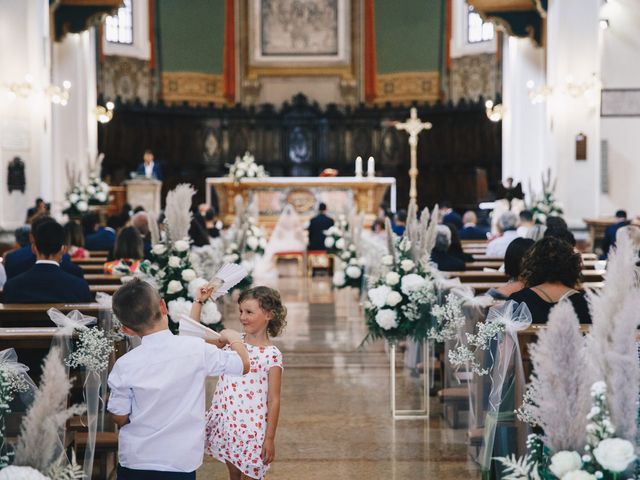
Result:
[[119, 27], [477, 29]]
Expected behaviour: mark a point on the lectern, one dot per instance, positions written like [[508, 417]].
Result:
[[144, 192]]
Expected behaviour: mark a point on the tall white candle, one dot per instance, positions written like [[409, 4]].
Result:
[[371, 167], [358, 166]]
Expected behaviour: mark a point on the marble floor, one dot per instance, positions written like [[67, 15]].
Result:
[[335, 421]]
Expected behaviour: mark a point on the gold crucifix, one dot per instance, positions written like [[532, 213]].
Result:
[[413, 126]]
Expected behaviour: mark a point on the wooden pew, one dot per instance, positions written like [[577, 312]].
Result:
[[110, 289], [476, 276], [14, 315], [102, 279], [91, 268], [496, 264], [90, 260], [98, 253], [482, 287]]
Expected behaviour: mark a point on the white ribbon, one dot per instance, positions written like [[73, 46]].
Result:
[[68, 323], [9, 361], [515, 317]]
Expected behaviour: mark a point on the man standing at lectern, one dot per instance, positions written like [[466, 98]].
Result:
[[149, 168]]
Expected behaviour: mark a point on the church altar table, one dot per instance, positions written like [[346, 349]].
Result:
[[270, 194]]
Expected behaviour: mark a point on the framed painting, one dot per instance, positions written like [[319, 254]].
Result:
[[299, 36]]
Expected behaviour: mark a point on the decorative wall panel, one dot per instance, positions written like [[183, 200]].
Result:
[[192, 87], [408, 87]]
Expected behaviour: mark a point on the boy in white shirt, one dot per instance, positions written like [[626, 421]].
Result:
[[157, 389]]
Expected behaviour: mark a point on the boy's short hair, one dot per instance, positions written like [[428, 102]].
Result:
[[49, 237], [137, 305]]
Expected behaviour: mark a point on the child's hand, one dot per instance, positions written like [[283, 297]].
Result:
[[229, 336], [268, 451], [204, 293]]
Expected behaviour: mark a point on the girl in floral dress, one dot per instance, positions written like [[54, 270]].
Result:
[[242, 420]]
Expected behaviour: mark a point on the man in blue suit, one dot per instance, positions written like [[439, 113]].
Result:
[[317, 226], [105, 237], [149, 168], [449, 215], [470, 230], [22, 259], [610, 233], [46, 282]]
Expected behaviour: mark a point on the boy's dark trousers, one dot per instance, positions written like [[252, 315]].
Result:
[[125, 473]]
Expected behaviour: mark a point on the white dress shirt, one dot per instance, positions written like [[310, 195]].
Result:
[[148, 170], [498, 246], [160, 385]]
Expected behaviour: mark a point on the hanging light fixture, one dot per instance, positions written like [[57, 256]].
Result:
[[104, 114], [494, 112]]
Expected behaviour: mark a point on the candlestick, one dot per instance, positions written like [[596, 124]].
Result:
[[371, 167], [358, 166]]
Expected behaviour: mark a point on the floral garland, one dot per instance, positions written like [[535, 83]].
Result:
[[93, 350], [481, 341], [348, 265], [246, 167], [401, 302], [606, 457]]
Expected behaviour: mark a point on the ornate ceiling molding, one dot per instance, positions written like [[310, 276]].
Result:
[[75, 16], [520, 18]]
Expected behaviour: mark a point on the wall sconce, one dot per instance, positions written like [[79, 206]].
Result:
[[538, 94], [494, 112], [604, 23], [56, 94], [105, 114]]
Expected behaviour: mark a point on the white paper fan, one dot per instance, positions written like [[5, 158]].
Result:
[[189, 327], [231, 274]]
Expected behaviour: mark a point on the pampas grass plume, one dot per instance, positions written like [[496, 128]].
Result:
[[178, 211]]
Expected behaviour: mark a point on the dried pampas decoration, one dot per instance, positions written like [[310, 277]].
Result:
[[178, 212], [559, 398], [39, 445], [612, 340], [154, 231]]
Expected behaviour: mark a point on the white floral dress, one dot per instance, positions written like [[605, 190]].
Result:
[[237, 419]]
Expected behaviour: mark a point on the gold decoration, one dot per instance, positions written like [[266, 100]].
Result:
[[408, 87], [302, 200], [192, 87]]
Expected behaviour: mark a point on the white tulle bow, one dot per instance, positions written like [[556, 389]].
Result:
[[513, 315], [68, 323], [9, 361], [104, 300]]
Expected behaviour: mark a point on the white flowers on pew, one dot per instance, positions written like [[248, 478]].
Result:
[[246, 167], [342, 240]]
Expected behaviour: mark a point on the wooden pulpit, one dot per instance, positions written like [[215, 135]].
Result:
[[144, 192]]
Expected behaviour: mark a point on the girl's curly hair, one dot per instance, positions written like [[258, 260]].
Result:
[[269, 301], [551, 260]]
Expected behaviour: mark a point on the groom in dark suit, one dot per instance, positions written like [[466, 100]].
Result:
[[46, 282], [317, 226]]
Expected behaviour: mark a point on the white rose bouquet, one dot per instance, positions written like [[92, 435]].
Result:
[[77, 201], [348, 266], [246, 167], [255, 241], [98, 191], [401, 302]]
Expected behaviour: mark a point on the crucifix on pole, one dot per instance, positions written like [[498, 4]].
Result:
[[413, 126]]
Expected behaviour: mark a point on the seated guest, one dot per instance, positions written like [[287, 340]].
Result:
[[317, 226], [449, 215], [525, 223], [211, 223], [399, 223], [610, 233], [105, 237], [507, 226], [469, 230], [128, 251], [536, 232], [550, 273], [74, 240], [41, 208], [512, 267], [89, 222], [561, 234], [556, 222], [140, 221], [455, 248], [198, 229], [46, 282], [22, 259], [22, 239], [440, 256]]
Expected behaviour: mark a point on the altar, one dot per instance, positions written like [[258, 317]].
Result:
[[269, 195]]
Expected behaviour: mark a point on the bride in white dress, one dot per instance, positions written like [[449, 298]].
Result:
[[287, 236]]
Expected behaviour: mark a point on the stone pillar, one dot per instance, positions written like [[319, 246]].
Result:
[[75, 132], [25, 122], [573, 64], [523, 123]]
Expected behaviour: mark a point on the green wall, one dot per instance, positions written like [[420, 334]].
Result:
[[190, 35], [408, 35]]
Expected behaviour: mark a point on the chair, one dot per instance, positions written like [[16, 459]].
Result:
[[319, 260], [297, 256]]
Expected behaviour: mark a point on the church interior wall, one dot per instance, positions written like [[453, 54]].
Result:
[[620, 69], [25, 123]]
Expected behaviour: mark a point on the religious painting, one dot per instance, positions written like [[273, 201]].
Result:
[[302, 32]]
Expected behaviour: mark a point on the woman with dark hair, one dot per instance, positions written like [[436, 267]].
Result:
[[198, 229], [551, 272], [128, 251], [512, 267], [455, 248], [74, 240]]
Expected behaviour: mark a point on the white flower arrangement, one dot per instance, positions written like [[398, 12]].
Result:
[[92, 351], [210, 315], [255, 241], [480, 341], [246, 167], [545, 204]]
